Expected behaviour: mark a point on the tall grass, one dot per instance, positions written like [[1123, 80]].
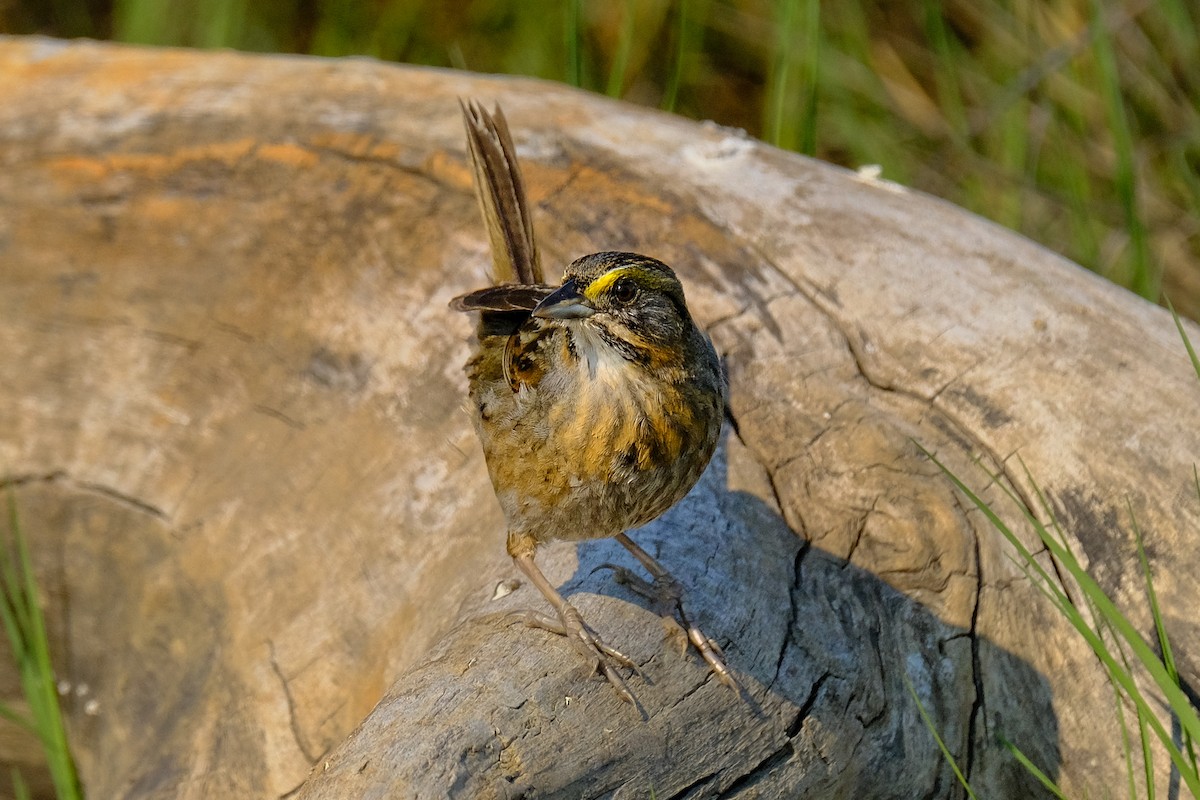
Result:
[[1126, 657], [1121, 651], [1191, 350], [1142, 277], [21, 613], [574, 40], [937, 737], [1076, 123], [792, 88]]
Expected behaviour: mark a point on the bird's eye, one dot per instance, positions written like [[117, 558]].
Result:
[[624, 290]]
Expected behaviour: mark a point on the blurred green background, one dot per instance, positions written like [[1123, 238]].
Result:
[[1076, 122]]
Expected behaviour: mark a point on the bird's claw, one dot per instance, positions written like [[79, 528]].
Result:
[[666, 594], [603, 658]]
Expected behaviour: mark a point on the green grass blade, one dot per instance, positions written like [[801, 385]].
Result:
[[395, 29], [24, 623], [1079, 192], [11, 602], [1188, 740], [1060, 534], [671, 93], [1155, 610], [949, 72], [1143, 278], [1012, 156], [689, 42], [1036, 583], [574, 37], [616, 77], [811, 77], [781, 69], [1182, 167], [1033, 770], [1126, 738], [1118, 694], [62, 767], [962, 779], [1187, 342], [133, 21], [1147, 756], [71, 17], [795, 74], [20, 788], [221, 23]]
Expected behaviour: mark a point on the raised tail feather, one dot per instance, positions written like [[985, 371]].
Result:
[[501, 195]]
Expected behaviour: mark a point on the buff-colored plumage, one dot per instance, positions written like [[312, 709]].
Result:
[[583, 442], [598, 402]]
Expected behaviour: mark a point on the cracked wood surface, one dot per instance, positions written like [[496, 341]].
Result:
[[232, 420]]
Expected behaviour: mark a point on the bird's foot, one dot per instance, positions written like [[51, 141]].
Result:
[[666, 595], [603, 658]]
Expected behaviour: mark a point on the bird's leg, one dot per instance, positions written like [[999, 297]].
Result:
[[586, 641], [667, 595]]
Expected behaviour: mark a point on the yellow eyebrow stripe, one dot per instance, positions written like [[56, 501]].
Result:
[[641, 276], [601, 284]]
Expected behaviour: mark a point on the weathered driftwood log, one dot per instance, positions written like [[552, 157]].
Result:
[[230, 407]]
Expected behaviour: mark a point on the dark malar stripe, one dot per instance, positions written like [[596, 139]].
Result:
[[628, 350]]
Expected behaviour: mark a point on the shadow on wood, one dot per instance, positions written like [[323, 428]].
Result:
[[823, 648]]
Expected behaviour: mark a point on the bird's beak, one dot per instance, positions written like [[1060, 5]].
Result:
[[565, 302]]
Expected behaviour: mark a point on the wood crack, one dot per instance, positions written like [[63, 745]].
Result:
[[976, 716], [58, 475], [861, 362], [294, 723], [124, 499]]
